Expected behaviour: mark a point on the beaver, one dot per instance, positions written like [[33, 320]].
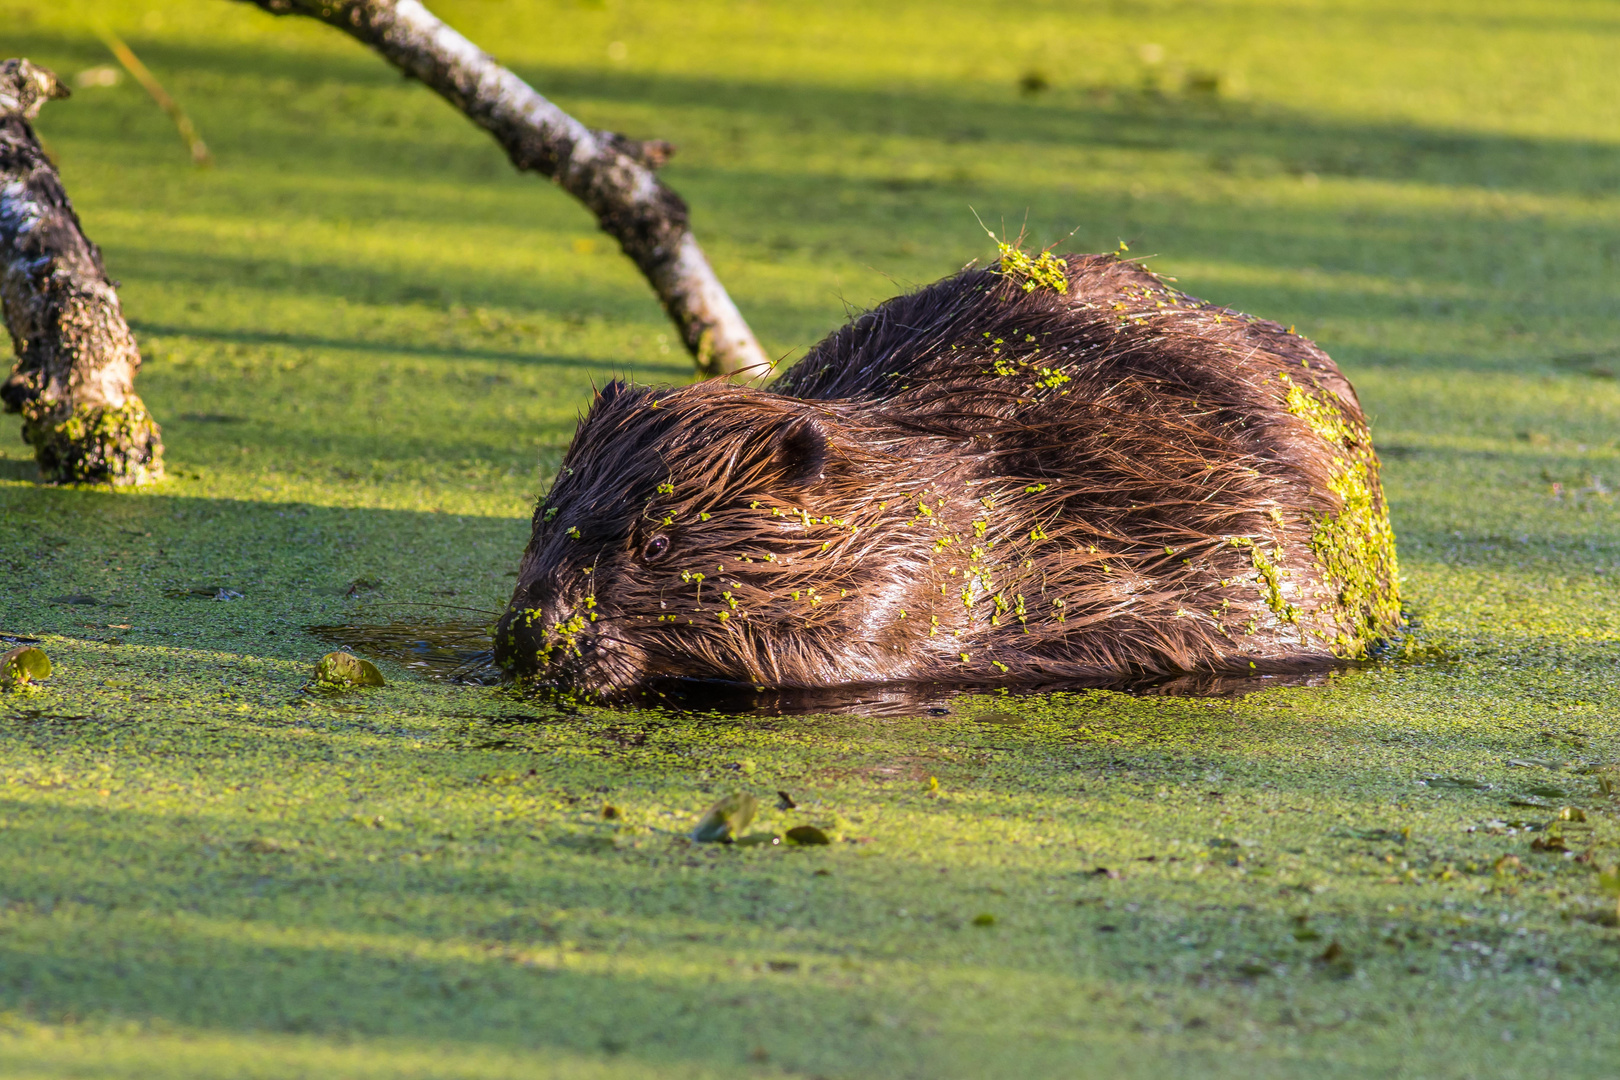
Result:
[[1050, 469]]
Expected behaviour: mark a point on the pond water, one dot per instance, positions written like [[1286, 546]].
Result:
[[461, 652]]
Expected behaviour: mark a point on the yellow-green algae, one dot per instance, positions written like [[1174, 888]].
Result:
[[368, 341]]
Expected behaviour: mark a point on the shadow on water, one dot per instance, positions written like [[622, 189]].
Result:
[[460, 652]]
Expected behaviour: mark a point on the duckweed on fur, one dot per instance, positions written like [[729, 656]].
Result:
[[1356, 546]]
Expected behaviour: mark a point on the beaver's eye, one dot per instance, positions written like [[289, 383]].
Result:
[[655, 548]]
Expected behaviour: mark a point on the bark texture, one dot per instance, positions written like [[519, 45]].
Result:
[[610, 174], [74, 379]]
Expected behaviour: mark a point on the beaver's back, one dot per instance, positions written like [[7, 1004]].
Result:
[[1116, 316], [1197, 486]]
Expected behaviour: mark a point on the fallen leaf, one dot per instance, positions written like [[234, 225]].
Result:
[[1397, 836], [1455, 782], [263, 845], [23, 665], [726, 819], [807, 834], [984, 919], [206, 592], [784, 801], [346, 669]]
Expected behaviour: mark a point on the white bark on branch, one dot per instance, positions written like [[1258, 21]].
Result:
[[74, 379], [612, 175]]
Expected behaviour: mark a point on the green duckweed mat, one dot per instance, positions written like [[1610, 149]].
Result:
[[368, 340]]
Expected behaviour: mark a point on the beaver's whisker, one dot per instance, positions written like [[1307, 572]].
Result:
[[447, 607]]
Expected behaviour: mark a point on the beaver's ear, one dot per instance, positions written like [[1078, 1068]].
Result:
[[801, 451], [612, 390]]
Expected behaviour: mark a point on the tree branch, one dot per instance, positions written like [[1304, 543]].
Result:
[[611, 175], [74, 380]]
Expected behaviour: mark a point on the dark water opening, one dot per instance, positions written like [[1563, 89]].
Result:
[[455, 652], [461, 652]]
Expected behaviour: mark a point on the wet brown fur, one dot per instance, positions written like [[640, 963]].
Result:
[[974, 483]]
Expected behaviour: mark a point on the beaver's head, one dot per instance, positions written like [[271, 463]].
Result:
[[720, 532]]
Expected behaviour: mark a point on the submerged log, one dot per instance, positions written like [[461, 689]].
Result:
[[612, 175], [74, 379]]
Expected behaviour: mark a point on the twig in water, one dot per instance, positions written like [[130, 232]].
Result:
[[132, 64]]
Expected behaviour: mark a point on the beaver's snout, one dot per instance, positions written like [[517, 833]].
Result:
[[558, 641], [534, 629]]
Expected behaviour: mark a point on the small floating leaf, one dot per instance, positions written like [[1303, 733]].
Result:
[[1397, 836], [759, 839], [984, 919], [23, 665], [347, 669], [726, 819], [1548, 791], [265, 845], [807, 834], [1455, 782], [784, 801]]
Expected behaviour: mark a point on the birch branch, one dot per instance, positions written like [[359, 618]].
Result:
[[610, 174], [74, 379]]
